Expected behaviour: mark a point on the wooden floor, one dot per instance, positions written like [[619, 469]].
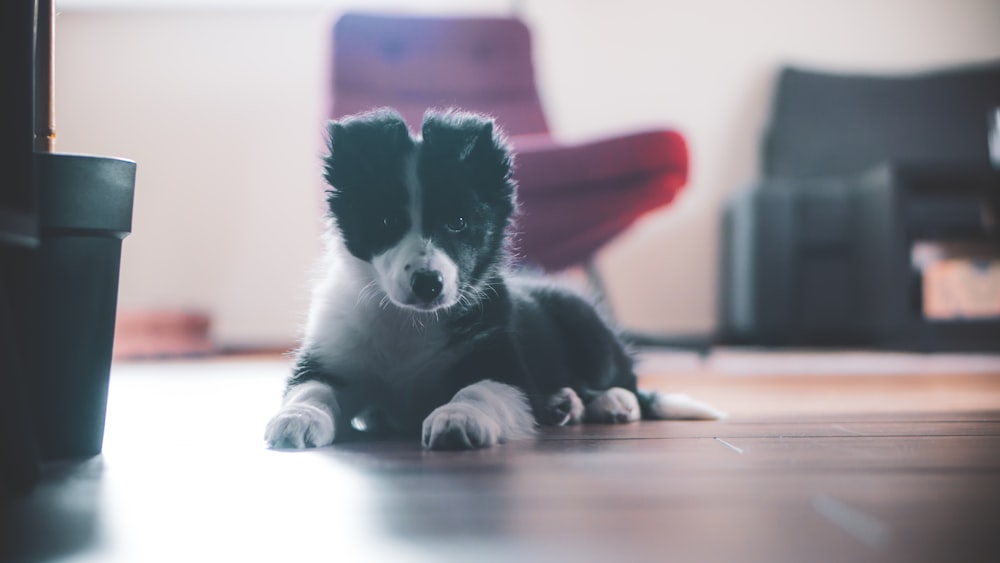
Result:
[[832, 458]]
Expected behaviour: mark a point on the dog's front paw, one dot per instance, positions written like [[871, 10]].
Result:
[[616, 405], [458, 426], [298, 426]]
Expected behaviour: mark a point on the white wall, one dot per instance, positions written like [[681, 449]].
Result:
[[223, 110], [226, 130]]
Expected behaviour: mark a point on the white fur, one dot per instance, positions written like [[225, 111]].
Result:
[[306, 418], [681, 407], [355, 332], [479, 416], [616, 405], [414, 190]]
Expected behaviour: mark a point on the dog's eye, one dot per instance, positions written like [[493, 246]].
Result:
[[388, 222], [457, 224]]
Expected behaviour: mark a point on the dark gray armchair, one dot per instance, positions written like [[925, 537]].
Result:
[[854, 169]]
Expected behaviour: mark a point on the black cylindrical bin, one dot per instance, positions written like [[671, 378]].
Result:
[[85, 210]]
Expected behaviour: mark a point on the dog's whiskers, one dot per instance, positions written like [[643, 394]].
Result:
[[489, 286], [367, 293], [475, 295]]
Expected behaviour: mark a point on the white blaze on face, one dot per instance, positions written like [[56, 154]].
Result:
[[413, 253]]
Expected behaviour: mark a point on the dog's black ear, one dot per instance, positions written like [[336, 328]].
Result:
[[469, 138], [365, 144]]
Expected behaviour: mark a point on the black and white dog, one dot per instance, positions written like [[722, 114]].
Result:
[[418, 326]]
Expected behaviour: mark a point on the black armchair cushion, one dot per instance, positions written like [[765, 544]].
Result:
[[826, 124]]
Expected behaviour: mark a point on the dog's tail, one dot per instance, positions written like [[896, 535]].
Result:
[[663, 406]]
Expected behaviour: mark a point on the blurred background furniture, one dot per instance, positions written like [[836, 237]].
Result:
[[574, 197], [19, 468], [62, 221], [857, 171]]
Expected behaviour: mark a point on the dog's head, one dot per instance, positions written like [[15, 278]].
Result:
[[429, 213]]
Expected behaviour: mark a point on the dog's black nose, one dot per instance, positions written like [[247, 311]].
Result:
[[427, 284]]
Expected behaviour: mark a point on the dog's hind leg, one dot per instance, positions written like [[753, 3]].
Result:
[[562, 408], [613, 406]]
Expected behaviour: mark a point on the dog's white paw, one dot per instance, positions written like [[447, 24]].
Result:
[[300, 425], [563, 407], [616, 405], [459, 426]]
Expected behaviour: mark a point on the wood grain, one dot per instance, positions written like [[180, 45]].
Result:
[[880, 467]]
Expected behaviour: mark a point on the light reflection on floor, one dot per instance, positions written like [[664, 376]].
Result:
[[183, 448]]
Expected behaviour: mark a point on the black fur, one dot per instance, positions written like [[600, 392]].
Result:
[[365, 165]]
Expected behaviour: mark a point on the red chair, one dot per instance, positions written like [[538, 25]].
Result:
[[574, 197]]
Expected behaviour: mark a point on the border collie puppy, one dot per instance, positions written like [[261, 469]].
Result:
[[418, 327]]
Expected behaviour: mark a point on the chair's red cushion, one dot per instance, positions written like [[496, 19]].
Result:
[[574, 198], [545, 163]]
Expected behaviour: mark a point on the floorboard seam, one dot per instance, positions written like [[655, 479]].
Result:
[[728, 445]]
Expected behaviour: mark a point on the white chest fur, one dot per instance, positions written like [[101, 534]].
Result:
[[354, 331]]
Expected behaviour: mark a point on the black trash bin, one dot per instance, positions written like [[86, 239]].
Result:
[[85, 210]]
